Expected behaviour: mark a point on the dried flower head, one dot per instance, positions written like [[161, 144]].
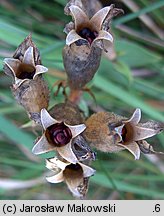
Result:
[[57, 136], [69, 113], [25, 64], [90, 31], [86, 38], [76, 176], [23, 70], [109, 132], [29, 87]]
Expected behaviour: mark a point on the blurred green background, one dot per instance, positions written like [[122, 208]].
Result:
[[134, 79]]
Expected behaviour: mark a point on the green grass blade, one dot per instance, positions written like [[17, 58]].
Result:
[[145, 10], [15, 134], [103, 180], [126, 97]]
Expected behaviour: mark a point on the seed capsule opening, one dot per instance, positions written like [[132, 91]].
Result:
[[73, 174], [124, 133], [25, 71], [127, 133], [74, 167], [88, 34], [58, 134]]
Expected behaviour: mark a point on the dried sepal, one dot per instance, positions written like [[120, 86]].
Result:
[[146, 148], [91, 7], [135, 118], [133, 148], [151, 128], [57, 136], [76, 176], [20, 51], [73, 2], [109, 132], [47, 120]]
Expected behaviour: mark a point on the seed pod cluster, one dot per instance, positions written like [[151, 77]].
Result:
[[65, 129]]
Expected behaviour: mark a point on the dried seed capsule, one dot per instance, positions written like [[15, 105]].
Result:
[[80, 65], [33, 95], [109, 132], [67, 112], [57, 135], [76, 176], [29, 87], [70, 114], [100, 132], [85, 40], [62, 129]]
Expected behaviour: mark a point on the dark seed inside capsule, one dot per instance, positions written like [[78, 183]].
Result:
[[73, 167], [73, 172], [25, 71], [58, 134], [87, 34], [127, 133], [124, 133]]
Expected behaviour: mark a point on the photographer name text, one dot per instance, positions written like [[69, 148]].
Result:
[[70, 208]]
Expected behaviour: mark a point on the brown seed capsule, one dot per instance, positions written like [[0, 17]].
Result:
[[67, 112], [57, 136], [99, 131], [80, 63], [76, 176], [29, 87], [70, 114], [63, 127], [33, 95], [109, 132], [85, 40]]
